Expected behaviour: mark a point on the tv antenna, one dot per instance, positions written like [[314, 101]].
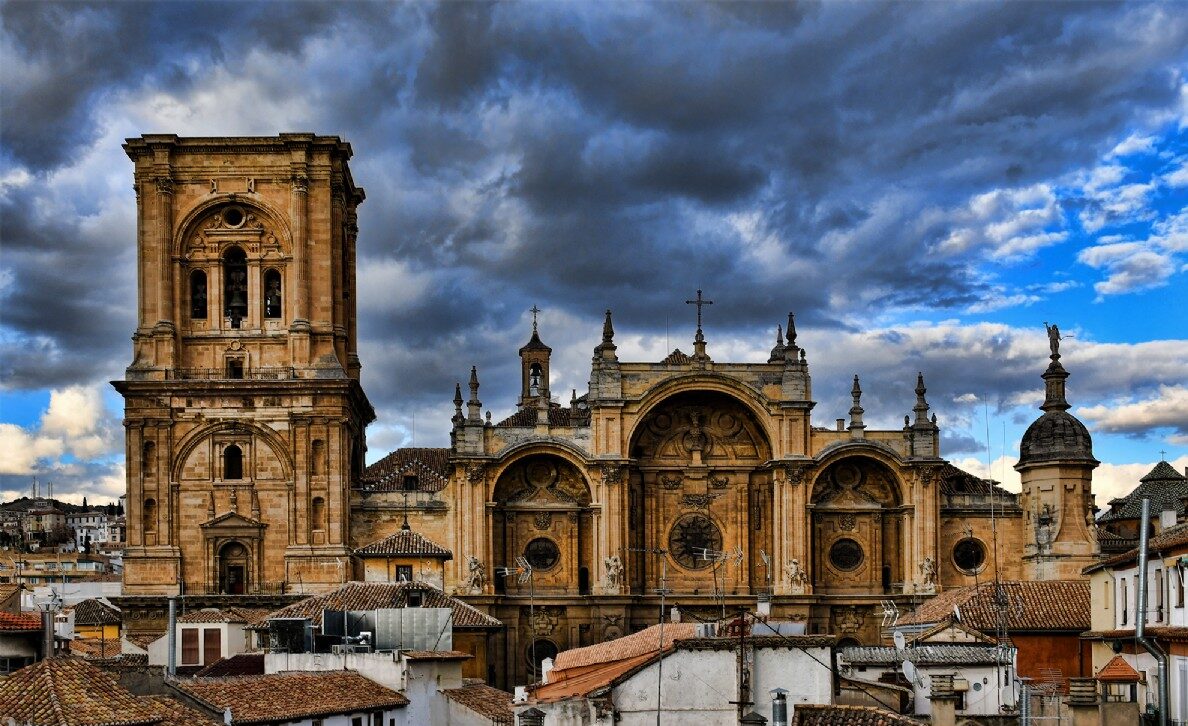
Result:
[[661, 591], [522, 571], [766, 569], [890, 614], [717, 559]]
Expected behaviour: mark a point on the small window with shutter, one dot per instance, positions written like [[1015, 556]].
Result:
[[189, 643], [212, 645]]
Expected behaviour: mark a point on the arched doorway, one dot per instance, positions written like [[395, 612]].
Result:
[[857, 529], [698, 483], [233, 569], [542, 514]]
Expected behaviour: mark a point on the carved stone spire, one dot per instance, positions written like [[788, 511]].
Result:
[[921, 407], [458, 417], [791, 352], [856, 425], [255, 504], [210, 506], [606, 349], [474, 406], [1054, 378], [791, 330], [777, 353]]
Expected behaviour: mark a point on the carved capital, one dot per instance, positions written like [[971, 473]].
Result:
[[612, 474], [796, 474], [300, 183], [475, 473], [164, 185]]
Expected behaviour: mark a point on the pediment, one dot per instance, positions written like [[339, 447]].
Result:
[[233, 520]]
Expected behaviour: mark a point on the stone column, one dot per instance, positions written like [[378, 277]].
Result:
[[298, 198]]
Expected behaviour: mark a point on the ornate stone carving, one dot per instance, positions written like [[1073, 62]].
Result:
[[614, 573], [698, 501], [544, 621], [300, 183], [476, 577], [796, 473], [846, 521], [690, 537], [671, 482], [927, 577], [849, 620], [164, 185], [719, 482], [797, 577], [475, 473], [612, 474], [612, 627], [542, 520]]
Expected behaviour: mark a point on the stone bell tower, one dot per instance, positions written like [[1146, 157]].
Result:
[[1056, 467], [244, 415]]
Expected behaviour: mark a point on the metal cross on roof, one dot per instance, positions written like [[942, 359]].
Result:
[[535, 310], [1162, 455], [699, 302]]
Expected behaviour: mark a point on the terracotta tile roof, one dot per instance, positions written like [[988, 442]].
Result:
[[1176, 633], [1163, 485], [1168, 539], [8, 589], [484, 700], [142, 640], [676, 358], [19, 622], [375, 595], [224, 615], [431, 467], [92, 648], [955, 631], [558, 416], [924, 655], [578, 682], [629, 646], [436, 655], [175, 713], [291, 696], [1034, 606], [806, 714], [243, 664], [96, 612], [71, 692], [955, 482], [1118, 671], [405, 542]]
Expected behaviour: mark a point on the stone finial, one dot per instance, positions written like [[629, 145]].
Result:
[[210, 506], [856, 425], [474, 406], [921, 407], [606, 349], [791, 330], [458, 417], [777, 353], [255, 504]]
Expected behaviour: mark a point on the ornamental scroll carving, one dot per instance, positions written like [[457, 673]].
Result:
[[475, 473], [796, 473], [612, 474], [300, 183]]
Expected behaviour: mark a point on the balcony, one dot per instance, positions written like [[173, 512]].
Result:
[[231, 373]]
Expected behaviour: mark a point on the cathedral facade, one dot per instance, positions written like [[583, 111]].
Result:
[[705, 482]]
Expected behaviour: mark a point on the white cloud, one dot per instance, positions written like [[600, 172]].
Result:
[[1178, 177], [1134, 144], [1129, 266], [1011, 223], [73, 412], [20, 451], [1168, 408], [1001, 470], [1116, 480]]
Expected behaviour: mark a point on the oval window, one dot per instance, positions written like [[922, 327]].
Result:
[[542, 553], [969, 555]]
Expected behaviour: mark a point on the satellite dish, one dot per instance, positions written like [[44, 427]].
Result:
[[1007, 696], [910, 672], [957, 613], [900, 642]]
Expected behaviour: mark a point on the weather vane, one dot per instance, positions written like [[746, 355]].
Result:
[[535, 311]]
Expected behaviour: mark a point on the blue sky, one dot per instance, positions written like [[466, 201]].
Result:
[[923, 184]]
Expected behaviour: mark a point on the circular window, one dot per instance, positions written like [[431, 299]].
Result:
[[846, 554], [542, 553], [233, 216], [543, 648], [969, 555], [689, 539]]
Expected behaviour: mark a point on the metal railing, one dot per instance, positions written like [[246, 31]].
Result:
[[263, 588]]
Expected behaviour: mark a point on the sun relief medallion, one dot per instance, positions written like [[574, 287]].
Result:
[[690, 537]]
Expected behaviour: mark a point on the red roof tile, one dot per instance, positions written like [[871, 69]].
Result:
[[243, 664], [91, 648], [484, 700], [431, 467], [96, 612], [629, 646], [224, 615], [71, 692], [1033, 606], [405, 542], [175, 713], [1118, 671], [375, 595], [805, 714], [290, 696], [19, 622]]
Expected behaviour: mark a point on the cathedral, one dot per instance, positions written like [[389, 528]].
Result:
[[707, 483]]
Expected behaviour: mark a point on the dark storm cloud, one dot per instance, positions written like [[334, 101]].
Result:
[[584, 156]]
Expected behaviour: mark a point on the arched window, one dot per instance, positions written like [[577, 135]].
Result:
[[150, 515], [272, 294], [318, 454], [317, 513], [235, 286], [198, 295], [148, 461], [232, 462]]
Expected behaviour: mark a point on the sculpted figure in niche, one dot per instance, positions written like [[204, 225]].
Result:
[[614, 573], [477, 576], [928, 575], [797, 577]]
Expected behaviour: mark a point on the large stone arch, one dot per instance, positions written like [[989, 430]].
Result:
[[258, 432], [857, 504], [704, 382], [542, 512], [189, 222], [699, 480]]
